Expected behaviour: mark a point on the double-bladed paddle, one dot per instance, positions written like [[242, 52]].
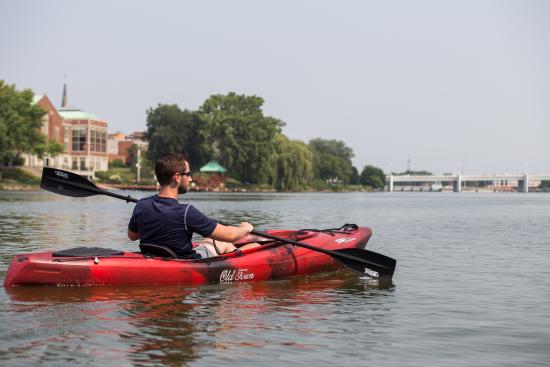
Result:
[[365, 262]]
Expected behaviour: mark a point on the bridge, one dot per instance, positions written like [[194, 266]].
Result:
[[457, 180]]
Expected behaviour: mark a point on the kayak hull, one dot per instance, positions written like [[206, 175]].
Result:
[[270, 261]]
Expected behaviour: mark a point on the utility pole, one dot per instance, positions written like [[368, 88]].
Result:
[[138, 163]]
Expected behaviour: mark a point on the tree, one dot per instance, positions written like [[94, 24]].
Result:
[[415, 173], [20, 123], [354, 180], [332, 160], [171, 130], [241, 136], [292, 164], [373, 177], [51, 147]]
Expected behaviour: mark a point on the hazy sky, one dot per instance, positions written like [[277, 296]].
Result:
[[447, 84]]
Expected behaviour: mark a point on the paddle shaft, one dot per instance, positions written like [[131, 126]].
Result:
[[334, 254], [331, 253]]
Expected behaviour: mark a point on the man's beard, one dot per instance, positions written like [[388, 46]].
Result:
[[181, 190]]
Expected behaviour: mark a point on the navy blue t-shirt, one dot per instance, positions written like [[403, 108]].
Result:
[[164, 221]]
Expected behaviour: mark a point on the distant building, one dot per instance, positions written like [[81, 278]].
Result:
[[53, 127], [83, 135], [119, 144], [215, 176], [87, 140]]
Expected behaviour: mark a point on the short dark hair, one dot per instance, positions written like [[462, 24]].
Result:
[[167, 165]]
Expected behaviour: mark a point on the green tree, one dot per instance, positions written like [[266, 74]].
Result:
[[373, 177], [171, 130], [51, 147], [354, 180], [332, 160], [20, 123], [292, 164], [241, 136], [414, 173]]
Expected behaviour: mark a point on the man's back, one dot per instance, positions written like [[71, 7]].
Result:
[[164, 221]]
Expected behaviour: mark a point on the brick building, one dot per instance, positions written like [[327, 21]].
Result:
[[53, 128], [83, 135], [86, 140], [119, 144]]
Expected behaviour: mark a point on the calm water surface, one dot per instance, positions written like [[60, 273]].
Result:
[[471, 287]]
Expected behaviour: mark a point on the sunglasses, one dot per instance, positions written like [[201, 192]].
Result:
[[185, 173]]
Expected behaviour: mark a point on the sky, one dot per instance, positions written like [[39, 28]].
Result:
[[443, 86]]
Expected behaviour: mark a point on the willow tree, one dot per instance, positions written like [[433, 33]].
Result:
[[292, 164], [240, 135]]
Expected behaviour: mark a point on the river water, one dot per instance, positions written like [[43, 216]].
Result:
[[471, 287]]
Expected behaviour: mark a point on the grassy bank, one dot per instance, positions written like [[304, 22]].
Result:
[[17, 179], [122, 175]]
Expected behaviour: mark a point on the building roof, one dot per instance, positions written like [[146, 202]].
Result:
[[117, 136], [73, 113], [212, 166]]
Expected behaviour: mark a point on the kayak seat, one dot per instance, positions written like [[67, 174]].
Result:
[[148, 249]]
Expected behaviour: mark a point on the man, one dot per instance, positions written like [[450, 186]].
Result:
[[161, 220]]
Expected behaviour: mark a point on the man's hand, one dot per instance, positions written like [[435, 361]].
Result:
[[247, 227], [133, 235], [230, 233]]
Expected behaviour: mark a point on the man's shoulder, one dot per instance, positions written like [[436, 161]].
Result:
[[192, 212], [146, 200]]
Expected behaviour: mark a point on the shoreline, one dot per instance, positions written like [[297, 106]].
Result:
[[19, 187], [12, 187]]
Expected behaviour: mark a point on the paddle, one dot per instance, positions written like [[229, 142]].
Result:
[[361, 261], [70, 184]]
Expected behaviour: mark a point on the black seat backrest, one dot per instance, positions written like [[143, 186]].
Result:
[[157, 251]]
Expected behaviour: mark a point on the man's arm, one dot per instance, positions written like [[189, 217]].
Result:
[[230, 233], [133, 235]]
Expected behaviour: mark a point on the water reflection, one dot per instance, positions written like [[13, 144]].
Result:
[[174, 324]]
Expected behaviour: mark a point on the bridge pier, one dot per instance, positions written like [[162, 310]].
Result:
[[390, 183], [458, 184], [523, 185]]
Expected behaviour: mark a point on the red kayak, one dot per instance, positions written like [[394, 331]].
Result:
[[273, 260]]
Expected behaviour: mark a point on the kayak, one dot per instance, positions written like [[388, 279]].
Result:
[[83, 266]]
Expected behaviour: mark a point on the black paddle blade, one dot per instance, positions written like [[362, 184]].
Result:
[[369, 263], [67, 183]]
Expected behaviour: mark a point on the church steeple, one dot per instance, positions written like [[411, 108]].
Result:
[[64, 102]]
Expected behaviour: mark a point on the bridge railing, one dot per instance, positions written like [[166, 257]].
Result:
[[520, 180]]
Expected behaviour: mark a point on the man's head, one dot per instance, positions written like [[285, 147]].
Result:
[[173, 168]]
